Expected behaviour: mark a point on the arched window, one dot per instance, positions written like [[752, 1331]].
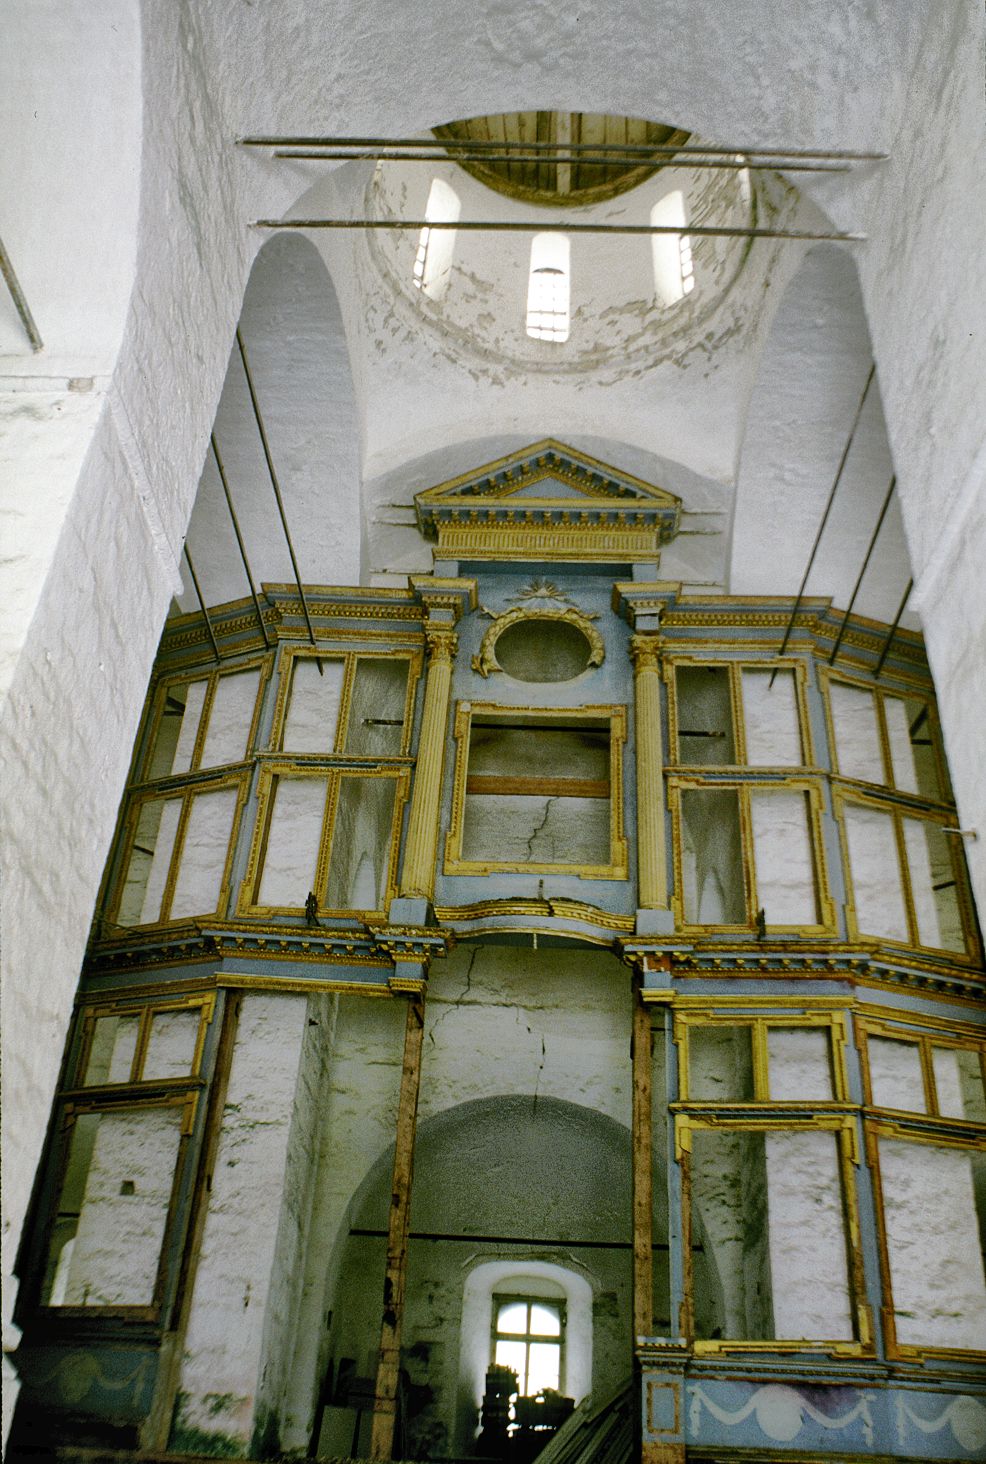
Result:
[[674, 269], [531, 1316], [529, 1338], [433, 260], [548, 288]]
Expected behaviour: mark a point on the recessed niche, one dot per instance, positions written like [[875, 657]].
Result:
[[543, 650]]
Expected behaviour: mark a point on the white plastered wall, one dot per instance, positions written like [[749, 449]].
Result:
[[93, 590]]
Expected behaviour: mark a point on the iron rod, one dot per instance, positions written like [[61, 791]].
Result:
[[479, 144], [890, 634], [582, 161], [20, 300], [872, 544], [548, 226], [239, 537], [825, 515], [208, 622], [277, 490]]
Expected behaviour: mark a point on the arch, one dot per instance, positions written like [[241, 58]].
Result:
[[546, 1172], [295, 340], [810, 379]]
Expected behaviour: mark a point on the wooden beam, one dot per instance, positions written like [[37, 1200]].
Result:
[[641, 1061], [506, 784], [395, 1279]]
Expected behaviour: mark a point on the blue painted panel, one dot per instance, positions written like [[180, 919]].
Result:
[[114, 1383], [853, 1417]]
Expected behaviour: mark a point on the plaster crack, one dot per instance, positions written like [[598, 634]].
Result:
[[541, 826], [463, 995]]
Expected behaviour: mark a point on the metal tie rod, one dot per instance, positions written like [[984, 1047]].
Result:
[[890, 633], [198, 591], [20, 300], [646, 149], [239, 537], [556, 160], [277, 491], [825, 516], [859, 581], [546, 226]]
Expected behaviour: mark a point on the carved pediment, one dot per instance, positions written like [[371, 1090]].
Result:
[[548, 502]]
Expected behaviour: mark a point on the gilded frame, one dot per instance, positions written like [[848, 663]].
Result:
[[843, 1126], [211, 676], [897, 812], [735, 668], [145, 1009], [185, 792], [612, 716], [117, 1102], [832, 1021], [811, 788], [349, 658], [331, 774], [826, 678], [925, 1039], [931, 1135]]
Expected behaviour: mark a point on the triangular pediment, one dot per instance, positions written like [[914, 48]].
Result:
[[548, 501]]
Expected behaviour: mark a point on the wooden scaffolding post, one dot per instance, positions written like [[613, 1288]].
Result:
[[641, 1059], [395, 1279]]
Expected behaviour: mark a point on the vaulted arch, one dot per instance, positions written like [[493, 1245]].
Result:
[[295, 343], [811, 378]]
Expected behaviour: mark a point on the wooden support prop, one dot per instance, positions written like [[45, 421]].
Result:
[[641, 1062], [395, 1279]]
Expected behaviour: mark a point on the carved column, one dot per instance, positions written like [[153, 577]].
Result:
[[418, 876], [652, 865]]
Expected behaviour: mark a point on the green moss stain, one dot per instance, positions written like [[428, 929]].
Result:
[[189, 1438]]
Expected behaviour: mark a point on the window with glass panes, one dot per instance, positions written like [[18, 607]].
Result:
[[528, 1337]]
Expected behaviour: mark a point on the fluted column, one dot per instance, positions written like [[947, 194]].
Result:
[[652, 864], [418, 875]]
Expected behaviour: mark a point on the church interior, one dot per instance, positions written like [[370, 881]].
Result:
[[493, 684]]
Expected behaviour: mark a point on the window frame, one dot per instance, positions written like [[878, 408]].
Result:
[[827, 677], [183, 789], [145, 1011], [897, 812], [925, 1038], [69, 1110], [930, 1132], [187, 1092], [490, 713], [676, 785], [211, 676], [349, 656], [785, 1117], [528, 1299], [833, 1021], [839, 1115], [735, 666], [320, 769]]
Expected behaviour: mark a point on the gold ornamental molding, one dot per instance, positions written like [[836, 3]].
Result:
[[486, 661]]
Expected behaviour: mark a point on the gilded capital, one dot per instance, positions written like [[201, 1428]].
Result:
[[646, 651], [442, 643]]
